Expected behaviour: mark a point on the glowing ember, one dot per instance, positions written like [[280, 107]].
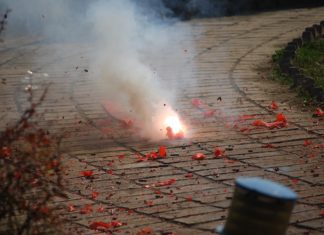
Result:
[[174, 128], [174, 123]]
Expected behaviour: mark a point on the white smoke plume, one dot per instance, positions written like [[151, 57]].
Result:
[[126, 35]]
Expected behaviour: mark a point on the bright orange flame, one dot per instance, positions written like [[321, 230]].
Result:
[[174, 123], [174, 128]]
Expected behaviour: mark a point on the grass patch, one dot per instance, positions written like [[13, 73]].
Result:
[[276, 73], [310, 59]]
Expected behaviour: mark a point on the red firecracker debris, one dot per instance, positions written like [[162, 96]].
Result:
[[162, 151], [196, 102], [141, 158], [94, 195], [318, 112], [86, 209], [152, 156], [268, 146], [149, 203], [71, 208], [274, 105], [87, 173], [145, 231], [98, 225], [280, 122], [101, 209], [295, 181], [110, 172], [307, 143], [189, 198], [120, 157], [209, 113], [5, 152], [199, 156], [219, 152], [127, 123], [164, 183], [246, 117], [245, 129], [189, 175]]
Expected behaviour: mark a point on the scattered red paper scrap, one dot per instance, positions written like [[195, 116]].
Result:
[[174, 136], [219, 152], [318, 112], [196, 102], [71, 208], [5, 152], [164, 183], [199, 156], [127, 123], [120, 157], [274, 105], [102, 225], [101, 209], [281, 118], [152, 155], [189, 198], [94, 195], [86, 209], [145, 231], [99, 225], [268, 146], [280, 122], [149, 203], [162, 151], [295, 181], [307, 143], [87, 173], [246, 117], [209, 113], [189, 175]]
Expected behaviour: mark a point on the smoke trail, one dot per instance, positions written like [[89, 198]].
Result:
[[125, 36]]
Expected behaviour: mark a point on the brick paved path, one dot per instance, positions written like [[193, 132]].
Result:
[[230, 54]]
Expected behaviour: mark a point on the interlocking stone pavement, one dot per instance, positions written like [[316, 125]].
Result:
[[228, 62]]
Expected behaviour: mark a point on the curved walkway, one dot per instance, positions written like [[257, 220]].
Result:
[[227, 63]]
